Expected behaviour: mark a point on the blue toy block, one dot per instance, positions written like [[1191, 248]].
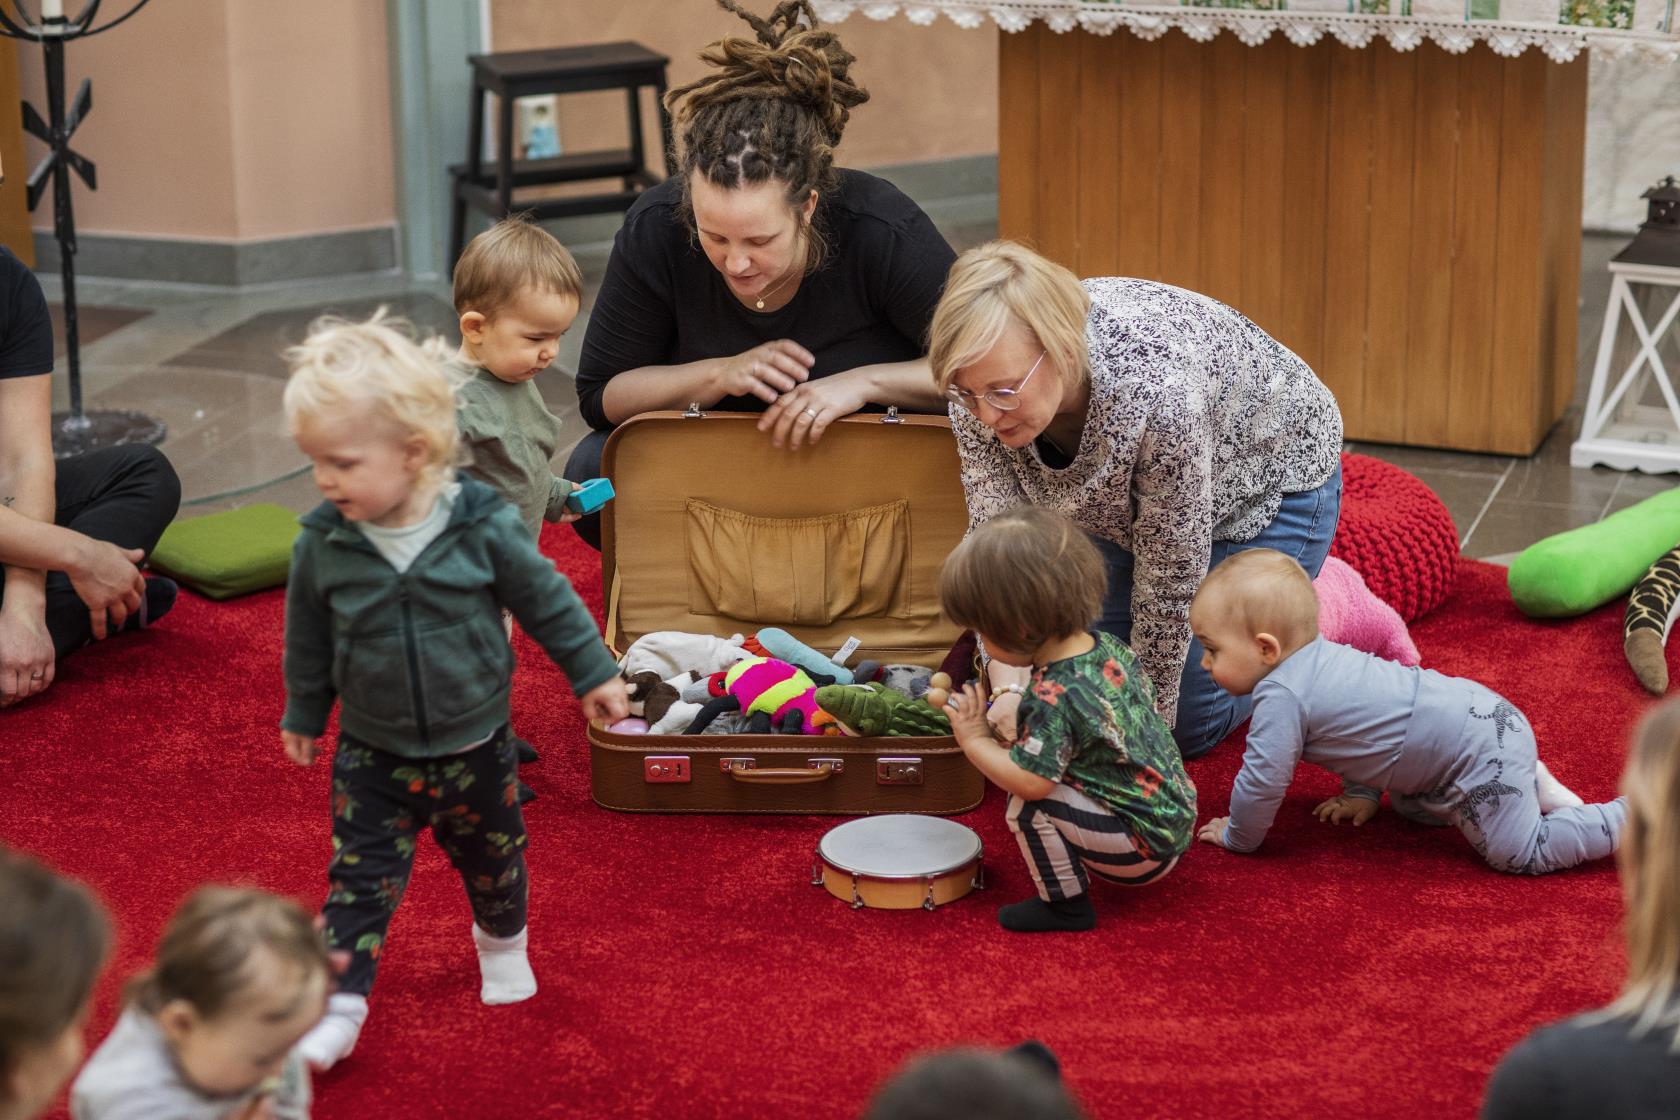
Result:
[[590, 496]]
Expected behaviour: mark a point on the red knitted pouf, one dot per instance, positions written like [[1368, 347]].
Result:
[[1397, 534]]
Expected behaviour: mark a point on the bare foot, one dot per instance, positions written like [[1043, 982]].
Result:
[[1551, 793]]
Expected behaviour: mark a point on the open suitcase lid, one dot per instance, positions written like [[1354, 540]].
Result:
[[714, 531]]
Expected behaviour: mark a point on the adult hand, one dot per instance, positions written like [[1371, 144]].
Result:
[[108, 582], [1345, 808], [608, 701], [1214, 831], [301, 749], [1002, 715], [804, 414], [766, 371], [27, 658]]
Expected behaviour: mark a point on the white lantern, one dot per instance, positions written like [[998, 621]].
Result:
[[1624, 427]]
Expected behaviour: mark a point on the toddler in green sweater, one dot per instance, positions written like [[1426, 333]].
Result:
[[517, 291]]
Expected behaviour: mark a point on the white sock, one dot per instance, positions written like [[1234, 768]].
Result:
[[331, 1040], [1551, 794], [505, 971]]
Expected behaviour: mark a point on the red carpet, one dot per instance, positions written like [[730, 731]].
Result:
[[689, 969]]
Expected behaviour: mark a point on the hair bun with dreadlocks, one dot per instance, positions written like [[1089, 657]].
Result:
[[795, 59]]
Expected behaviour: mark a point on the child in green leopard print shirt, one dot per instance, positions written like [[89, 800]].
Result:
[[1096, 785]]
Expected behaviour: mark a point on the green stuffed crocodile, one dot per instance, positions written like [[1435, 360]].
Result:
[[874, 709]]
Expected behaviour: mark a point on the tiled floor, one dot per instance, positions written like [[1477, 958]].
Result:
[[209, 363]]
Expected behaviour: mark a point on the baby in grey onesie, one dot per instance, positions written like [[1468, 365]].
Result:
[[1446, 750]]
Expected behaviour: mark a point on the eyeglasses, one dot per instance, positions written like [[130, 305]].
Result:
[[1004, 400]]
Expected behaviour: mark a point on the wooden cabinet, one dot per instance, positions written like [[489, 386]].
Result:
[[1407, 222]]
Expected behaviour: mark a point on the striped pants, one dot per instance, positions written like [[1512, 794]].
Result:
[[1067, 836]]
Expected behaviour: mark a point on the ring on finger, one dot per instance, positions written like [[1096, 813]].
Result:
[[811, 412]]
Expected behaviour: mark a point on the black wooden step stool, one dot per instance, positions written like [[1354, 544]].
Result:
[[511, 75]]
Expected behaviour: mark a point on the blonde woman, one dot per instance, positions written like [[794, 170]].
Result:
[[761, 277], [1170, 428], [1624, 1060]]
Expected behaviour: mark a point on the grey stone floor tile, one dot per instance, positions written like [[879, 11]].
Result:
[[1415, 459], [1509, 527], [257, 345]]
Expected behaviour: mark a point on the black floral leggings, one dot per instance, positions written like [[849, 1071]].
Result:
[[381, 801]]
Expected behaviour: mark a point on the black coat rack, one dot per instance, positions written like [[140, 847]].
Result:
[[78, 430]]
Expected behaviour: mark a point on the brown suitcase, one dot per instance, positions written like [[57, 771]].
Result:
[[713, 531]]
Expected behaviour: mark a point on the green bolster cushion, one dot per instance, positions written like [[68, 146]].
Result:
[[1573, 572], [221, 555]]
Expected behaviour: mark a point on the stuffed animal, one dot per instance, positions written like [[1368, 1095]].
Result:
[[875, 709], [659, 703], [773, 642], [668, 652], [1349, 613], [1650, 616], [776, 695], [1573, 572]]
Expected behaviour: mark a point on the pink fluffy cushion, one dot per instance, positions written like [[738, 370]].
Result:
[[1397, 534]]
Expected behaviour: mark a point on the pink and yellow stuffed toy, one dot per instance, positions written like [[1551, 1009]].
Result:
[[774, 695]]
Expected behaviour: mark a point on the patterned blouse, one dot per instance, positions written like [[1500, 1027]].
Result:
[[1198, 423]]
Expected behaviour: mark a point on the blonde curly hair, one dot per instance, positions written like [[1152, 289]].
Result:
[[376, 370]]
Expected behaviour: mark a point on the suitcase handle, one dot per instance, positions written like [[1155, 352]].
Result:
[[782, 776]]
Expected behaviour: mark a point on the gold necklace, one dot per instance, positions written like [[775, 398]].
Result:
[[759, 302]]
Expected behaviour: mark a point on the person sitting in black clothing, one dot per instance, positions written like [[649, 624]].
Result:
[[72, 532], [761, 277], [1021, 1083], [1623, 1061]]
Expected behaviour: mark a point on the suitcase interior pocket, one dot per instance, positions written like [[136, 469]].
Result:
[[806, 570]]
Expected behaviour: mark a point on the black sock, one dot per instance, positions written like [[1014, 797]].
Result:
[[160, 596], [1037, 916], [526, 794], [525, 751]]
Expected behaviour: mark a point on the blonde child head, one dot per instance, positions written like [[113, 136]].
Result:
[[240, 976], [1025, 578], [1254, 609], [1650, 868], [1265, 592], [517, 291], [371, 378], [509, 260]]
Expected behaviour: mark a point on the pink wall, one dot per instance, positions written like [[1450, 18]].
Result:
[[233, 120], [933, 90]]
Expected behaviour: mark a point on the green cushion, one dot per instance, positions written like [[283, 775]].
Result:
[[1573, 572], [221, 555]]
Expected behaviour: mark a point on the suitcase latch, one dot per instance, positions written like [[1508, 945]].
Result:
[[692, 412], [666, 768], [898, 771], [892, 416]]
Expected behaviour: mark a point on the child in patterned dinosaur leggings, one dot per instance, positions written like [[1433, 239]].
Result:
[[1447, 750], [393, 608]]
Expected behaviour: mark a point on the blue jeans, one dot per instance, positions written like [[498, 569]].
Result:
[[1303, 527]]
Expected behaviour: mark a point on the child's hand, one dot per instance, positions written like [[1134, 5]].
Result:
[[607, 701], [301, 749], [567, 513], [1344, 808], [1214, 831], [967, 709]]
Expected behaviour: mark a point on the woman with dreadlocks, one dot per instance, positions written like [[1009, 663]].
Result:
[[762, 276]]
